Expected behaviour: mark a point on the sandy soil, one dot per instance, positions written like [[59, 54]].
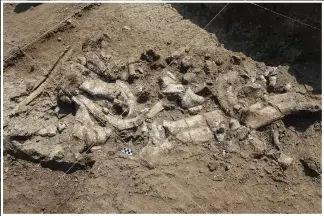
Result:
[[192, 178]]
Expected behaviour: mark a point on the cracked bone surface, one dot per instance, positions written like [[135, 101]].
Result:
[[129, 97], [195, 129], [120, 124], [158, 107], [153, 153], [224, 91], [100, 89], [95, 64], [85, 129], [278, 106], [195, 135], [190, 99]]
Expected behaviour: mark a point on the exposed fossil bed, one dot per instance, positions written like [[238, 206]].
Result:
[[192, 112]]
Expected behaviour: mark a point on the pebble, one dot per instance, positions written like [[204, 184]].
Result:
[[140, 70], [262, 78], [189, 77], [65, 99], [273, 153], [49, 131], [61, 126], [252, 167], [82, 60], [272, 81], [195, 110], [105, 55], [104, 44], [105, 110], [173, 56], [275, 138], [209, 66], [284, 160], [59, 39], [237, 107], [218, 177], [233, 147], [258, 145], [221, 132], [212, 166], [126, 28], [69, 21], [58, 112], [186, 62], [242, 132], [234, 124], [288, 87], [269, 71]]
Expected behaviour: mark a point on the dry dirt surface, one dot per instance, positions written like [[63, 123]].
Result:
[[130, 108]]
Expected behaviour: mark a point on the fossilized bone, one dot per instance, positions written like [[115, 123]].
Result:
[[278, 106]]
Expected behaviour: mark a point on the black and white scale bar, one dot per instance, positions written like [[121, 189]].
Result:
[[127, 151]]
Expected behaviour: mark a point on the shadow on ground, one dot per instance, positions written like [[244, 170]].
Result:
[[265, 36], [22, 7]]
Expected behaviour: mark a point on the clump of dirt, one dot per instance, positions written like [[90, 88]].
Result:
[[201, 117]]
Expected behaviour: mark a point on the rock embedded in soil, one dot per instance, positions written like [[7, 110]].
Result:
[[253, 90], [288, 87], [220, 132], [49, 131], [175, 55], [195, 110], [150, 56], [272, 81], [275, 138], [259, 146], [186, 63], [233, 147], [311, 166], [212, 166], [82, 60], [242, 132], [61, 126], [126, 28], [79, 69], [284, 160], [189, 77], [210, 67], [234, 124]]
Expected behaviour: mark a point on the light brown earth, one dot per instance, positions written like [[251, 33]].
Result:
[[192, 178]]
